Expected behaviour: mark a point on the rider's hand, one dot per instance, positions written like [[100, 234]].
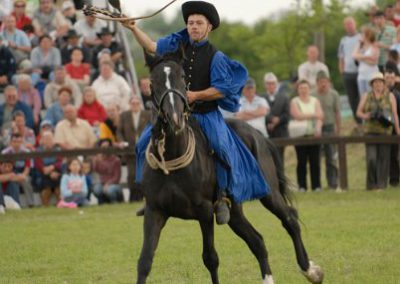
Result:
[[191, 96], [128, 24]]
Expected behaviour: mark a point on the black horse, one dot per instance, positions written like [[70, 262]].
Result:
[[189, 192]]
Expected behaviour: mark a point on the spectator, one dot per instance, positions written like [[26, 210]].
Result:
[[12, 105], [366, 54], [253, 108], [386, 37], [330, 103], [106, 37], [392, 63], [396, 16], [49, 168], [21, 168], [61, 80], [73, 186], [73, 132], [8, 184], [348, 67], [18, 126], [111, 87], [48, 20], [145, 92], [91, 110], [45, 126], [55, 113], [131, 126], [278, 117], [309, 69], [17, 40], [396, 45], [109, 169], [389, 14], [23, 20], [76, 70], [90, 176], [305, 107], [8, 65], [89, 27], [69, 11], [5, 8], [376, 108], [45, 57], [394, 172], [72, 43], [108, 128], [29, 95]]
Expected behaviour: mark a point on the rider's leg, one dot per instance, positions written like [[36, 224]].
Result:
[[222, 205]]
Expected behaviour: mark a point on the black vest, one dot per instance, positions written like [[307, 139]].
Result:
[[197, 68]]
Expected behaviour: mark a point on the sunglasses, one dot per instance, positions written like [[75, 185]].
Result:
[[19, 6]]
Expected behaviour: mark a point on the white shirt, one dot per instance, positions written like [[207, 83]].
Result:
[[88, 32], [308, 71], [259, 122]]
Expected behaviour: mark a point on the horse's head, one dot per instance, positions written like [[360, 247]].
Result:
[[169, 90]]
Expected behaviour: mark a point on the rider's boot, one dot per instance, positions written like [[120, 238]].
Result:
[[222, 208]]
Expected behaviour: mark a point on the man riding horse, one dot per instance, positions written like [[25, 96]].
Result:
[[214, 81]]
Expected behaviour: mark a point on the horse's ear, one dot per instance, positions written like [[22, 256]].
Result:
[[180, 53], [150, 59]]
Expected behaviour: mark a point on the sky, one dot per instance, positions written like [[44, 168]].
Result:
[[247, 11]]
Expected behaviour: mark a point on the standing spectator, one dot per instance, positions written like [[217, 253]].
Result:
[[45, 57], [305, 107], [392, 62], [396, 45], [23, 20], [55, 113], [106, 37], [309, 69], [132, 124], [8, 184], [91, 110], [394, 172], [389, 14], [73, 132], [111, 87], [108, 129], [278, 117], [78, 71], [30, 96], [8, 65], [376, 108], [385, 36], [330, 103], [109, 169], [17, 40], [69, 11], [48, 20], [366, 54], [61, 80], [73, 186], [18, 126], [21, 168], [11, 105], [348, 67], [49, 168], [145, 92], [72, 43], [253, 108], [89, 27]]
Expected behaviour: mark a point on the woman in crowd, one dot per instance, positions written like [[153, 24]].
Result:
[[304, 107], [91, 110], [378, 109], [29, 95], [108, 129], [77, 70], [19, 126], [45, 57]]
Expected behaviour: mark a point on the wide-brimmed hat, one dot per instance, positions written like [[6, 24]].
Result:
[[377, 76], [105, 31], [72, 34], [206, 9]]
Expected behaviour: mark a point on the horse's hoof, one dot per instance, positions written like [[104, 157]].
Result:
[[314, 274]]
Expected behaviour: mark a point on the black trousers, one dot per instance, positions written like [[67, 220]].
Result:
[[394, 170], [351, 87], [308, 154], [378, 163]]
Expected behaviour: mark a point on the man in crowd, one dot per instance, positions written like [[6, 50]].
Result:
[[73, 41], [309, 69], [107, 42], [386, 37], [55, 112], [89, 27], [47, 19], [8, 65]]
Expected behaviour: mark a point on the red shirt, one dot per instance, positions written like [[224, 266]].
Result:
[[77, 72], [92, 113], [22, 21]]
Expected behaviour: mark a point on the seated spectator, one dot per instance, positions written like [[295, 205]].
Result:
[[23, 20], [102, 56], [91, 110], [45, 126], [69, 11], [49, 169], [61, 80], [73, 132], [73, 186], [17, 40], [109, 169], [90, 176], [145, 91], [29, 95], [8, 184], [76, 70], [8, 65], [89, 27], [111, 87], [5, 8], [106, 37], [21, 168], [72, 43], [18, 126], [108, 128], [48, 20], [45, 57], [11, 105], [55, 113], [253, 108]]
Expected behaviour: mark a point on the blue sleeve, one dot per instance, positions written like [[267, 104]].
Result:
[[228, 77], [171, 42]]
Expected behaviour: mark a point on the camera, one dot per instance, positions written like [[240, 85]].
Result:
[[384, 117]]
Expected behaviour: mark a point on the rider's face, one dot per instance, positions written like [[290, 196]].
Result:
[[198, 27]]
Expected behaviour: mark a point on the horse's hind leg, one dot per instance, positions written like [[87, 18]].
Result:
[[153, 224], [242, 227]]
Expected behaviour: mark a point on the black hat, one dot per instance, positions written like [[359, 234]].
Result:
[[206, 9], [104, 31], [379, 14], [72, 33]]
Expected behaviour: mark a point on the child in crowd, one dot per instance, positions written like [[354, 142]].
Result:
[[8, 184], [73, 186], [88, 173]]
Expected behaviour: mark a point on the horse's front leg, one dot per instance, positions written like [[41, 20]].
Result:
[[154, 221]]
